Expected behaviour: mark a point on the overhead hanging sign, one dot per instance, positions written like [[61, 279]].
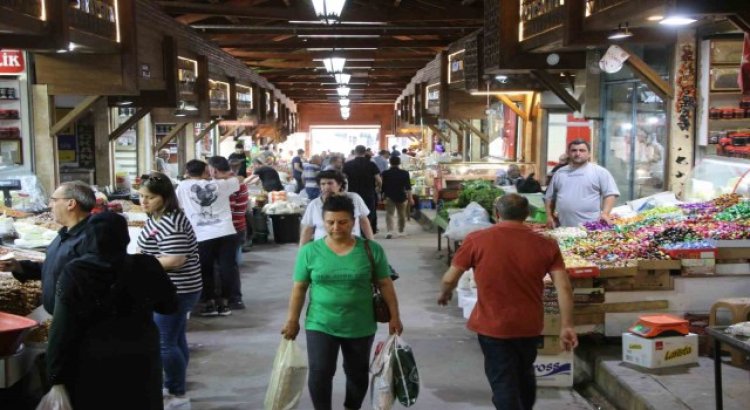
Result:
[[613, 59], [456, 67], [11, 62], [432, 102]]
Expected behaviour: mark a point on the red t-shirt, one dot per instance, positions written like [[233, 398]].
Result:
[[238, 204], [510, 262]]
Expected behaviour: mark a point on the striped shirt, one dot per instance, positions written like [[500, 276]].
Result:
[[238, 203], [309, 173], [172, 234]]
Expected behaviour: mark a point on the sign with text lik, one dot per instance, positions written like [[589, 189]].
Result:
[[11, 62]]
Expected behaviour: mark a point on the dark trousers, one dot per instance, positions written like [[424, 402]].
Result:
[[300, 184], [371, 200], [222, 252], [322, 355], [509, 366]]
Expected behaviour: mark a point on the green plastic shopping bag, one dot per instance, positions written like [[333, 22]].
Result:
[[405, 373]]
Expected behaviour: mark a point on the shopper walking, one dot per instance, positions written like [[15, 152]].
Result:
[[70, 205], [309, 176], [103, 344], [297, 170], [332, 183], [336, 163], [338, 272], [580, 192], [510, 262], [238, 203], [363, 178], [239, 155], [381, 160], [397, 194], [206, 205], [162, 162], [169, 237]]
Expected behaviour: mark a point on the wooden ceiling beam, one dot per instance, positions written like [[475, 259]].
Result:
[[405, 72], [238, 29], [304, 11], [331, 43], [350, 65], [305, 55]]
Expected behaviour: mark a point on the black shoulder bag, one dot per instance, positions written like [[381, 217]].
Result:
[[379, 307]]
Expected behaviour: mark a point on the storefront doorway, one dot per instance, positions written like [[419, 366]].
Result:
[[343, 139], [634, 138]]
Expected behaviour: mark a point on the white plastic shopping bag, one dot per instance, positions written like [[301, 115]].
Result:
[[56, 399], [288, 377], [382, 393]]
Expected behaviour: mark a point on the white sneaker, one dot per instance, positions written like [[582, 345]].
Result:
[[175, 403]]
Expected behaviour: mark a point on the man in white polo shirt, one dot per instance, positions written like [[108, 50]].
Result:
[[580, 192]]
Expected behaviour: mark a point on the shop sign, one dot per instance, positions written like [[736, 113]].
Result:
[[145, 71], [433, 97], [456, 67], [11, 61]]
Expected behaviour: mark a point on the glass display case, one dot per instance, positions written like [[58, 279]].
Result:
[[715, 175], [450, 176]]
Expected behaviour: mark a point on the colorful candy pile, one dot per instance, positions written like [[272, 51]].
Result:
[[643, 236]]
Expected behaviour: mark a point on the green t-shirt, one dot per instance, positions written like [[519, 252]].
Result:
[[340, 292]]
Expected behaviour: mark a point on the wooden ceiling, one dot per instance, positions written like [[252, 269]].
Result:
[[385, 42]]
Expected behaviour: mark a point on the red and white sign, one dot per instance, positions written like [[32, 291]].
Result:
[[11, 62]]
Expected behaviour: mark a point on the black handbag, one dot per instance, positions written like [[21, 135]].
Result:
[[379, 307]]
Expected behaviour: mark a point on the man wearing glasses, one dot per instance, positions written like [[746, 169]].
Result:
[[70, 205]]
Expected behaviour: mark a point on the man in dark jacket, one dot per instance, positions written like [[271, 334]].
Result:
[[239, 155], [363, 177], [70, 205], [397, 194]]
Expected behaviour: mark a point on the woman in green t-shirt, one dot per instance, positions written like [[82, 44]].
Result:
[[338, 273]]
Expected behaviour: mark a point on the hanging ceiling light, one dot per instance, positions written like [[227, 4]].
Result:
[[677, 20], [345, 111], [334, 65], [343, 91], [621, 33], [328, 11], [342, 79], [344, 102]]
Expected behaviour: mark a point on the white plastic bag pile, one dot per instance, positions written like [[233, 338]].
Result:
[[288, 377], [33, 236], [56, 399], [472, 218]]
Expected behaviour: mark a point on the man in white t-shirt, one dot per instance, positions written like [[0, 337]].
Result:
[[206, 204]]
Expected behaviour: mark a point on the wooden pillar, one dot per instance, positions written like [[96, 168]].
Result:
[[104, 156], [185, 146], [45, 145], [145, 145], [681, 144]]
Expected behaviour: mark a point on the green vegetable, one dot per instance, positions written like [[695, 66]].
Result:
[[480, 191]]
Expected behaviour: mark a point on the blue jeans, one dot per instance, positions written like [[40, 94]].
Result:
[[241, 237], [312, 193], [174, 349], [322, 355], [509, 366]]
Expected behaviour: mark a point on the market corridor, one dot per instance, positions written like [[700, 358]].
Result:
[[232, 356]]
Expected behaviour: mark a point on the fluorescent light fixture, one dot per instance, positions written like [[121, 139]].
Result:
[[334, 64], [72, 46], [677, 20], [338, 35], [342, 79], [344, 102], [621, 33], [501, 78], [346, 110], [343, 91], [655, 17], [328, 11]]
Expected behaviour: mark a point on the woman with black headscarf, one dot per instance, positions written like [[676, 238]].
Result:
[[103, 343]]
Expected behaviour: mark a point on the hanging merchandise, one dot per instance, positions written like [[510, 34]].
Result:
[[685, 101], [744, 79], [613, 59]]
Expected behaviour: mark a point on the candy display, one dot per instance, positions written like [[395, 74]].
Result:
[[649, 234]]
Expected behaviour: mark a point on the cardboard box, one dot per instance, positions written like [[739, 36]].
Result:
[[669, 264], [628, 271], [582, 283], [659, 352], [549, 345], [554, 371], [707, 253], [698, 266], [588, 295], [552, 322], [733, 268], [585, 272], [644, 280], [733, 249]]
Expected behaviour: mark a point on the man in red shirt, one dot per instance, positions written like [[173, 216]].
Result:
[[238, 203], [510, 262]]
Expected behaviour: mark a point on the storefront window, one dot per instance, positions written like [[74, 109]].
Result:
[[635, 130], [503, 130], [126, 152], [343, 140]]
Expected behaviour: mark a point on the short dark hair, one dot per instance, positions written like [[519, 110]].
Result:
[[579, 141], [300, 151], [235, 164], [240, 145], [219, 163], [404, 151], [512, 207], [195, 168], [384, 152], [360, 149], [332, 174], [82, 193], [160, 184], [339, 203], [394, 160]]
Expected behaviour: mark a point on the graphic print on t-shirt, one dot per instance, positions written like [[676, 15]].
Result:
[[205, 198]]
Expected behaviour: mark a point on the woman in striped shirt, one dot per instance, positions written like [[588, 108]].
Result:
[[169, 237]]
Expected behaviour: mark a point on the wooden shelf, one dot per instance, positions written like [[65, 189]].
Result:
[[730, 119]]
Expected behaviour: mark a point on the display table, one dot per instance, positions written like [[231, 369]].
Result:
[[717, 333]]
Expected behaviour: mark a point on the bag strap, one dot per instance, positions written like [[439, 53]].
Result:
[[371, 259]]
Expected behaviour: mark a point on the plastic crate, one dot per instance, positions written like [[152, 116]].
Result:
[[538, 215], [286, 227]]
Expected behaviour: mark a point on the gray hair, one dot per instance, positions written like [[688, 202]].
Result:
[[81, 192], [512, 207]]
